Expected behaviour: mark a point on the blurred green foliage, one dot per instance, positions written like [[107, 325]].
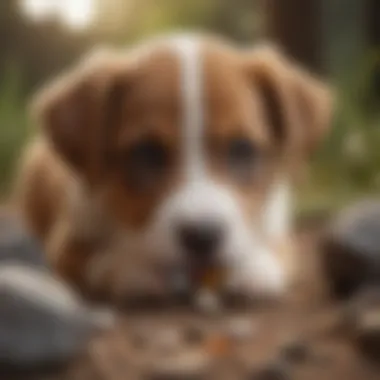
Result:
[[13, 122], [347, 165]]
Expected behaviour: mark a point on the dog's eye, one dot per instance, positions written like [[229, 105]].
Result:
[[145, 163], [241, 150], [241, 158]]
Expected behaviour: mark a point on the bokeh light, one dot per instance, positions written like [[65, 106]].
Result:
[[77, 14]]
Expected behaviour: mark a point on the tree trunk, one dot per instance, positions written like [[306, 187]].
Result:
[[373, 14], [295, 25]]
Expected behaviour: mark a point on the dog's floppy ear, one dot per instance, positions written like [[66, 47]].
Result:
[[75, 110], [296, 105]]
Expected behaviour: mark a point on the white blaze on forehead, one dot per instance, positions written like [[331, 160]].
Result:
[[277, 211], [188, 50]]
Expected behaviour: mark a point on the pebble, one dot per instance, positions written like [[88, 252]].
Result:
[[362, 320], [296, 352], [42, 323], [208, 302], [371, 320], [368, 299], [185, 366], [351, 248], [277, 370], [241, 328], [369, 344], [139, 340], [103, 319]]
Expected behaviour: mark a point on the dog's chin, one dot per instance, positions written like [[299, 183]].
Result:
[[258, 277], [174, 284], [174, 276]]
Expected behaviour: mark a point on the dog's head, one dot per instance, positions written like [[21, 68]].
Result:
[[192, 144]]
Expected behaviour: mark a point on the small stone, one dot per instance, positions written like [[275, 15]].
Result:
[[362, 308], [296, 352], [367, 336], [362, 321], [194, 335], [240, 329], [139, 341], [103, 319], [139, 336], [369, 343], [167, 340], [180, 283], [371, 320], [323, 359], [188, 366], [207, 302], [277, 370]]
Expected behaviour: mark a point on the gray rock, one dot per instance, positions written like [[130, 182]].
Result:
[[180, 282], [167, 340], [41, 322], [351, 248], [17, 245]]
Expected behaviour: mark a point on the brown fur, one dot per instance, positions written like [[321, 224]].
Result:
[[42, 185], [94, 114]]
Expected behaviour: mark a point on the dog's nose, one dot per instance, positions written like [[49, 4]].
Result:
[[200, 239]]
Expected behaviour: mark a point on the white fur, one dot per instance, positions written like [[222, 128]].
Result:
[[190, 59], [277, 211]]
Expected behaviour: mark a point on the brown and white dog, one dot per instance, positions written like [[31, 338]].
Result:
[[182, 150]]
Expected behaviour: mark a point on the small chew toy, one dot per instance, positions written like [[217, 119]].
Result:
[[212, 278]]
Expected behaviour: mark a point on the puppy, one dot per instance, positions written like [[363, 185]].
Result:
[[180, 153]]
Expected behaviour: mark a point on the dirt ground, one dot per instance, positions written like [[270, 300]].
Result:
[[302, 338]]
